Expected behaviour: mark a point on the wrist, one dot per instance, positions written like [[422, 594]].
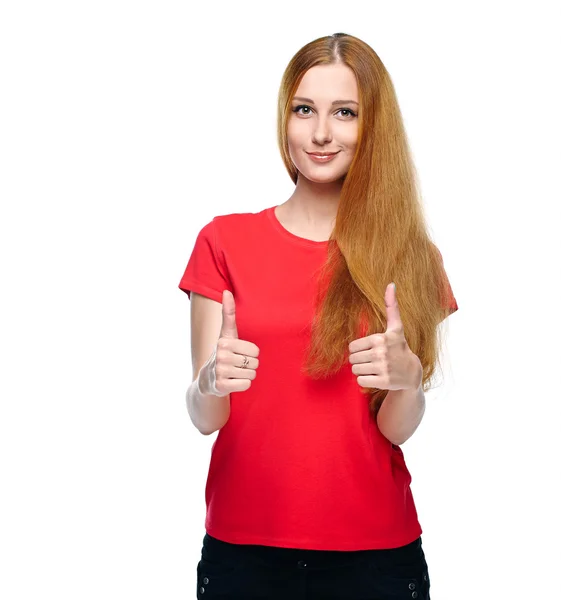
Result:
[[417, 369]]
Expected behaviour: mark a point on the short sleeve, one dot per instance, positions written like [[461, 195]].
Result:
[[449, 303], [205, 273]]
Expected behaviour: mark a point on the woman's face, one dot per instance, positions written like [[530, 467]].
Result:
[[324, 119]]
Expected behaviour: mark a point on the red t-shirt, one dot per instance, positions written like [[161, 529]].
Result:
[[300, 463]]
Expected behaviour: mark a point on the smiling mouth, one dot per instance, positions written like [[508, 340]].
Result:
[[322, 153], [322, 158]]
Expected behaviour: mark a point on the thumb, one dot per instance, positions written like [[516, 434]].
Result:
[[392, 309], [229, 328]]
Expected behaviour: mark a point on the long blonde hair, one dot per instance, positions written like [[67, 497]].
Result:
[[380, 233]]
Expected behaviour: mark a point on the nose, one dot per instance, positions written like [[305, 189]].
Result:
[[322, 132]]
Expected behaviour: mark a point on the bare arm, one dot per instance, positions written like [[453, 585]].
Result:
[[207, 412], [402, 410]]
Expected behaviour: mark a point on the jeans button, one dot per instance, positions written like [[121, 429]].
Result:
[[414, 595], [205, 580], [411, 586], [202, 590], [425, 577]]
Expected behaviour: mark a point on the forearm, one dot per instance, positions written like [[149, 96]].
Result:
[[207, 412], [402, 412]]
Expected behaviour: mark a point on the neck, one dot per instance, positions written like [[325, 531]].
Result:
[[314, 204]]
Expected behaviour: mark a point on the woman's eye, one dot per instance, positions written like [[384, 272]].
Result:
[[348, 111]]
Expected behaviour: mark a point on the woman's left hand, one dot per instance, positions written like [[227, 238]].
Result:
[[384, 360]]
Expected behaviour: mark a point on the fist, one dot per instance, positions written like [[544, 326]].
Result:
[[223, 372]]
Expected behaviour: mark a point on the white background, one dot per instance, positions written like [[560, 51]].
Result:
[[125, 127]]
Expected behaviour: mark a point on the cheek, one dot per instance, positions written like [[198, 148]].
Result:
[[350, 149], [346, 133], [296, 134], [349, 139]]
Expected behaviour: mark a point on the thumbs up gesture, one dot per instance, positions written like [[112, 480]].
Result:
[[233, 363], [384, 360]]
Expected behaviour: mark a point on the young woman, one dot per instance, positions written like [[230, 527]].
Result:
[[308, 362]]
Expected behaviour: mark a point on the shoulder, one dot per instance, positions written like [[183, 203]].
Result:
[[234, 218], [235, 226]]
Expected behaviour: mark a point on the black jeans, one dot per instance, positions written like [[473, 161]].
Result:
[[246, 572]]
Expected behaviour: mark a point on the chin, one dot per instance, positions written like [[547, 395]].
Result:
[[326, 178]]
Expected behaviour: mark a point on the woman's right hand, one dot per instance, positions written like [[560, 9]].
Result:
[[222, 372]]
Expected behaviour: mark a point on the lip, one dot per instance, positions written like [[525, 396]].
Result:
[[323, 157]]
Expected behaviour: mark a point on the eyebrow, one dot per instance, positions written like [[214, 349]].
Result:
[[333, 103]]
